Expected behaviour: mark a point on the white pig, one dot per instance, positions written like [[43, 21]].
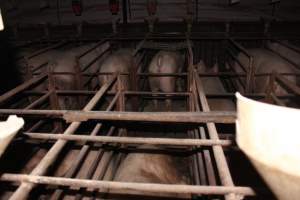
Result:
[[213, 85], [164, 62], [150, 168], [285, 52], [65, 61], [265, 61], [120, 61]]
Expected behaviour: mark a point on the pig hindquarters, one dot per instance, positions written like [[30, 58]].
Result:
[[149, 168], [213, 85], [164, 62], [119, 61]]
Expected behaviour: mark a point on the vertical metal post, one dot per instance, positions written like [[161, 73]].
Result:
[[250, 76], [124, 6], [78, 80], [53, 97]]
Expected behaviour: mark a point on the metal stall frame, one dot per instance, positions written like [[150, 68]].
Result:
[[199, 113]]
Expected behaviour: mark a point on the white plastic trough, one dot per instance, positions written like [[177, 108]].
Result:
[[270, 136], [8, 130]]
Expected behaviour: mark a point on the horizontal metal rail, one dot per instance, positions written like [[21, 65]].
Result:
[[146, 93], [21, 87], [25, 188], [131, 140], [175, 117], [144, 187], [290, 85]]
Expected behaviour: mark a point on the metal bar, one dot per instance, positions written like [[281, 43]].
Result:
[[21, 87], [210, 95], [130, 140], [276, 100], [287, 83], [83, 151], [38, 101], [239, 47], [218, 152], [208, 74], [94, 47], [288, 46], [176, 117], [24, 189], [41, 51], [145, 187], [179, 117]]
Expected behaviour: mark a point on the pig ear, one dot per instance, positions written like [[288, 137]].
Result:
[[215, 68]]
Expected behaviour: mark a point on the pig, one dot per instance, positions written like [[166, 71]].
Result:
[[164, 62], [27, 67], [265, 61], [120, 61], [65, 61], [285, 52], [214, 85], [141, 167]]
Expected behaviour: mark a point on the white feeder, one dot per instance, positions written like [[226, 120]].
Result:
[[1, 22], [270, 136], [8, 130]]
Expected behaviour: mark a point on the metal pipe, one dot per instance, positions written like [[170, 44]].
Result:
[[287, 83], [24, 189], [239, 47], [178, 117], [21, 87], [218, 152], [144, 187], [130, 140], [83, 152], [38, 101]]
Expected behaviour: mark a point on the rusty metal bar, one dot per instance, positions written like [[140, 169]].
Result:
[[145, 187], [176, 117], [94, 47], [289, 46], [41, 51], [239, 47], [218, 152], [179, 117], [24, 189], [290, 85], [185, 94], [38, 101], [84, 150], [130, 140], [21, 87], [208, 74], [276, 100]]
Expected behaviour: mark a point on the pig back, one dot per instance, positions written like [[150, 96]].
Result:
[[149, 168], [121, 61], [266, 62], [285, 52]]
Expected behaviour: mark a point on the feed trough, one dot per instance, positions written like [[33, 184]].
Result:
[[269, 136]]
